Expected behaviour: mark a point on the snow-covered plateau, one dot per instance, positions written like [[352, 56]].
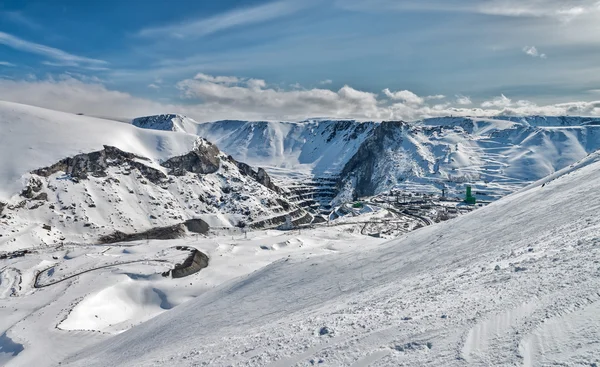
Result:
[[167, 242]]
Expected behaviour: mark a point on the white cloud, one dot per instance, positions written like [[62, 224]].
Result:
[[533, 52], [217, 79], [404, 95], [50, 52], [326, 82], [153, 86], [563, 10], [463, 100], [498, 102], [209, 101], [437, 96], [254, 98], [6, 63], [236, 18]]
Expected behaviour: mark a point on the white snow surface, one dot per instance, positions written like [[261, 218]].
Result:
[[513, 284], [33, 137]]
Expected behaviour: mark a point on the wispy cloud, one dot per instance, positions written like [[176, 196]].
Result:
[[6, 63], [565, 10], [533, 52], [220, 22], [53, 53], [326, 82], [19, 18]]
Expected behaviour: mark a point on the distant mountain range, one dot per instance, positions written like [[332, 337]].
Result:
[[497, 156]]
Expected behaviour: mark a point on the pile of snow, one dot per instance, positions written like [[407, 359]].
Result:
[[514, 283]]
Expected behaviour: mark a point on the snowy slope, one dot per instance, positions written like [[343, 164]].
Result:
[[514, 283], [86, 178], [33, 137]]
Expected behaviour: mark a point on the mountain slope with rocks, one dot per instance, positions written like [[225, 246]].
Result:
[[68, 178]]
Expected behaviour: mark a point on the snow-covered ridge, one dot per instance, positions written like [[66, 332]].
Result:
[[85, 178], [34, 137]]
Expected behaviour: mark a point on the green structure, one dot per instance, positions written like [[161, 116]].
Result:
[[470, 199], [357, 205]]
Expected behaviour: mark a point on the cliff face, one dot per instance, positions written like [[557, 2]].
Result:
[[364, 168]]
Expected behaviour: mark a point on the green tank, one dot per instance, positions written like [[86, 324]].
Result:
[[470, 199]]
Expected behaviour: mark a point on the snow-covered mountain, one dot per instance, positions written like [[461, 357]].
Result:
[[69, 178], [514, 283], [496, 156]]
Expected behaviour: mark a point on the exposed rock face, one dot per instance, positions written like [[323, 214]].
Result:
[[95, 164], [33, 187], [204, 159], [260, 175], [361, 167], [196, 261], [157, 122], [196, 226], [159, 233]]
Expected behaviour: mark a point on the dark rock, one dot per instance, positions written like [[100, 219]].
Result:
[[325, 331], [204, 159], [197, 226], [43, 196], [195, 262], [33, 186], [260, 175], [96, 163]]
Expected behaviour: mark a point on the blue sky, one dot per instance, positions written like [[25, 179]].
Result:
[[291, 59]]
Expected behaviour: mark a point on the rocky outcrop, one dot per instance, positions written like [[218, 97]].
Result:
[[157, 122], [260, 175], [196, 261], [196, 226], [203, 159], [34, 186], [159, 233], [96, 163]]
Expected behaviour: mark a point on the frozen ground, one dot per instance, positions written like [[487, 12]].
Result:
[[513, 284]]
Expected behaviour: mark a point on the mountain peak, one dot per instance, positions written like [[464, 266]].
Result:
[[166, 122]]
